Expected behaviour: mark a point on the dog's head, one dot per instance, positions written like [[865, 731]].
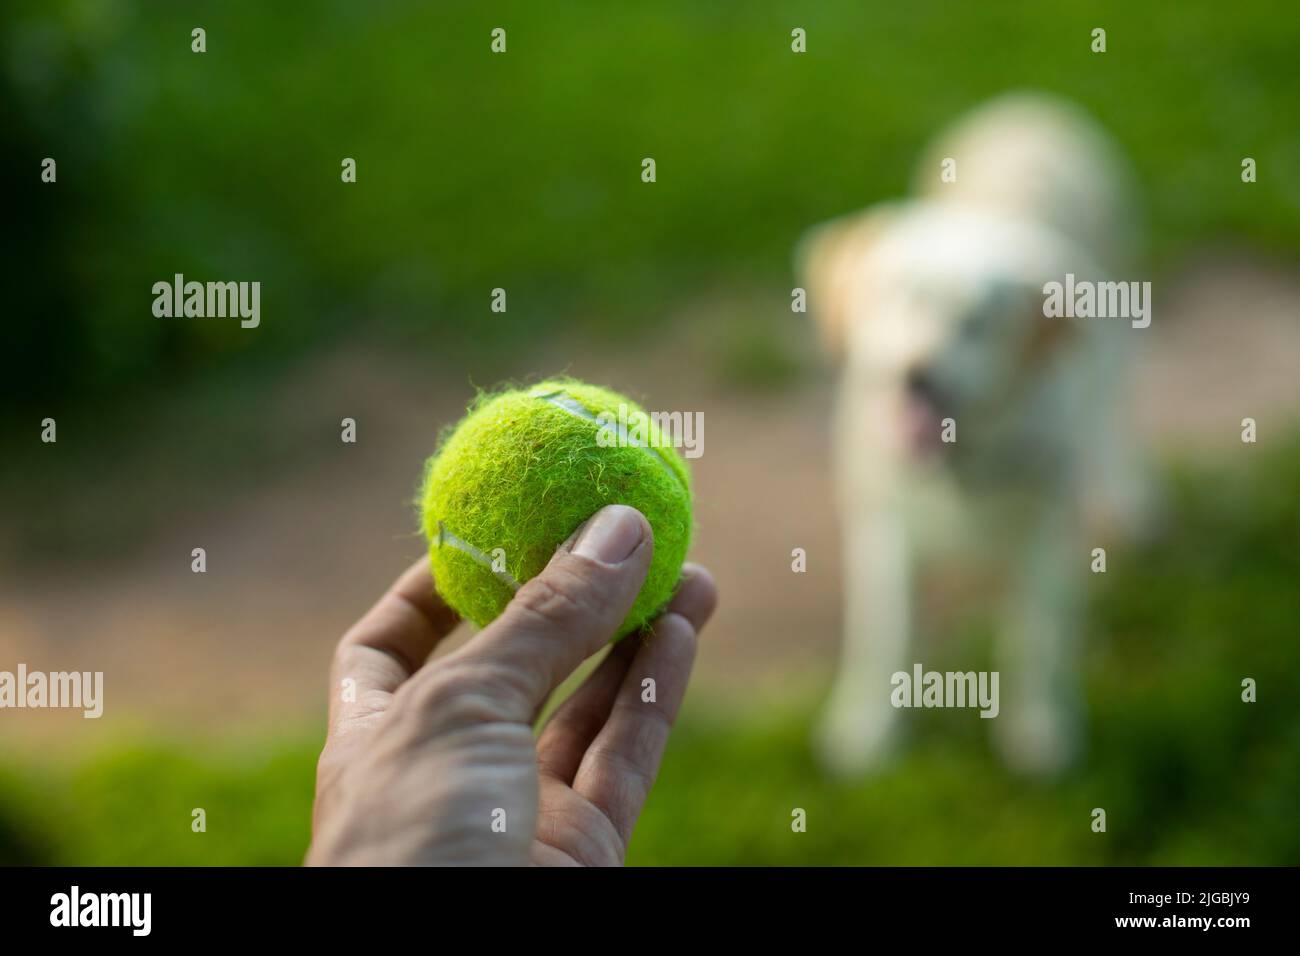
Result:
[[937, 310], [935, 304]]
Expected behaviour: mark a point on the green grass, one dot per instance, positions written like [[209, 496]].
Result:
[[1187, 772], [133, 803]]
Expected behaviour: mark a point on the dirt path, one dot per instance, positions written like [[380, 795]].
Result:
[[246, 644]]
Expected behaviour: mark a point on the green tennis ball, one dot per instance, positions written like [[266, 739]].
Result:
[[514, 479]]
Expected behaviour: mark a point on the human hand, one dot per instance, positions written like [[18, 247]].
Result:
[[436, 763]]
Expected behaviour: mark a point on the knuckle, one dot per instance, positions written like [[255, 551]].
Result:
[[454, 694], [585, 832], [343, 651], [648, 725], [633, 772], [556, 598]]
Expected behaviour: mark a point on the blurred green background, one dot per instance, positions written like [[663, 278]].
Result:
[[523, 171], [476, 169]]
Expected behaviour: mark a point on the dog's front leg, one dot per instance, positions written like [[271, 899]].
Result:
[[858, 725], [1037, 727]]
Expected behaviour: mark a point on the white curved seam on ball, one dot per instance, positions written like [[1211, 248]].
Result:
[[567, 403], [480, 557]]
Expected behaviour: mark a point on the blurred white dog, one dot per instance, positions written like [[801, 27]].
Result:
[[970, 425]]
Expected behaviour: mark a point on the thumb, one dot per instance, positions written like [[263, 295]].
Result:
[[564, 614]]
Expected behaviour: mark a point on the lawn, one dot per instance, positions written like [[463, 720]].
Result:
[[1186, 771]]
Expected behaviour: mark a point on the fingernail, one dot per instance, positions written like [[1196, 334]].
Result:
[[611, 535], [572, 539]]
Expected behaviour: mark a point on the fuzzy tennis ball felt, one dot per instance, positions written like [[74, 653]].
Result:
[[514, 479]]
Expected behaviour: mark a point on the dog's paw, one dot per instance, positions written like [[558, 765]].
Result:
[[853, 743], [1040, 742]]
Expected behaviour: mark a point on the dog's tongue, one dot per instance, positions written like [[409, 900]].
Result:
[[920, 426]]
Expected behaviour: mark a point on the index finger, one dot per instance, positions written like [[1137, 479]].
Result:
[[391, 641]]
